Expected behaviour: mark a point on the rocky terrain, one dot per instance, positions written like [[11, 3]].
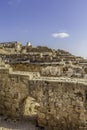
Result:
[[46, 61], [41, 88]]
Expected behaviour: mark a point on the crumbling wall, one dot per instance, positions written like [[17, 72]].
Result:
[[62, 105], [13, 92]]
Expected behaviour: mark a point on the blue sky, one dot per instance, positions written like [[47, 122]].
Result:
[[59, 24]]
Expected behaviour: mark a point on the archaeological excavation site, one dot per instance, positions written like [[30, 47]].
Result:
[[41, 88]]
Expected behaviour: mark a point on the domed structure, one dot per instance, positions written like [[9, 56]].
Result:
[[29, 44]]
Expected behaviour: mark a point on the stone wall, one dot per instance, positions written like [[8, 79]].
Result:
[[61, 103], [55, 70], [13, 92]]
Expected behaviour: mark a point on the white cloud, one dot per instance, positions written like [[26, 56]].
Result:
[[60, 35]]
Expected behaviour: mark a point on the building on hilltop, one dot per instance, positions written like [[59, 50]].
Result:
[[29, 44], [10, 44], [14, 45]]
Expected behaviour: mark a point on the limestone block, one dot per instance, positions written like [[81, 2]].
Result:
[[30, 107]]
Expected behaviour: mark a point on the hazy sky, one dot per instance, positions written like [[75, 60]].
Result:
[[54, 23]]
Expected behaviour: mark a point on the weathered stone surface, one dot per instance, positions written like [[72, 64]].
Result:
[[30, 107], [64, 108], [55, 102], [61, 101], [51, 71]]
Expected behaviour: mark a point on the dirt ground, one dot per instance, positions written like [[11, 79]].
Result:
[[9, 124]]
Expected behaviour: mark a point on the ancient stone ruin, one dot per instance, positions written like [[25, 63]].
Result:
[[44, 87]]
